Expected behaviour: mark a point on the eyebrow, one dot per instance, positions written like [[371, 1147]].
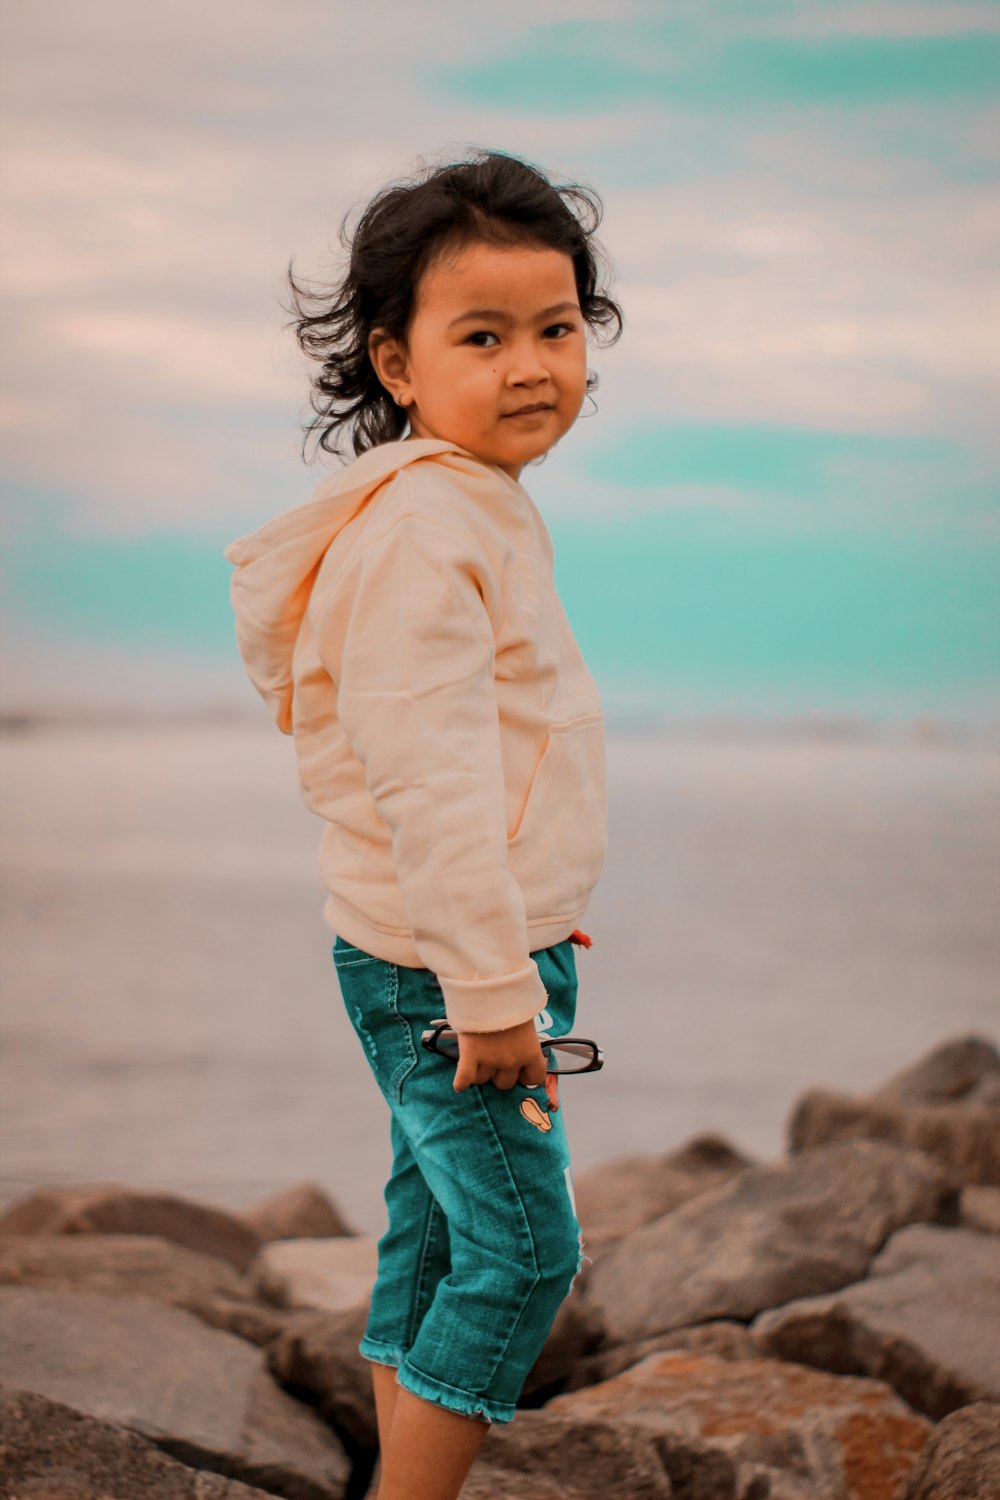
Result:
[[502, 317]]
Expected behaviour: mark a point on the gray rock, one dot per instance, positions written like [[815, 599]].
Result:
[[749, 1429], [200, 1394], [329, 1275], [51, 1452], [139, 1265], [962, 1458], [318, 1353], [798, 1227], [926, 1320], [620, 1195], [108, 1208], [955, 1070], [303, 1211]]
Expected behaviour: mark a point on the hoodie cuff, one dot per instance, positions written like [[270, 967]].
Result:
[[494, 1004]]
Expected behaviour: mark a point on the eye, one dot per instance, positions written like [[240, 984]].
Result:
[[481, 333], [569, 327]]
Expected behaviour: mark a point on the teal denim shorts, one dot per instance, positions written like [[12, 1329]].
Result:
[[483, 1242]]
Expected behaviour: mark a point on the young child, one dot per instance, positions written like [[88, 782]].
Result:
[[404, 627]]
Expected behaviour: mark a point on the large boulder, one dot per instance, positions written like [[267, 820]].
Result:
[[617, 1196], [330, 1275], [201, 1394], [317, 1354], [109, 1208], [947, 1104], [797, 1227], [302, 1211], [140, 1265], [51, 1452], [720, 1336], [926, 1320], [724, 1430], [961, 1460]]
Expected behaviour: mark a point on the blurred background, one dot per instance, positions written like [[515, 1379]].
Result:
[[777, 541]]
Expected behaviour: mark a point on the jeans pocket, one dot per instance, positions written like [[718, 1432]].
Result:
[[370, 990]]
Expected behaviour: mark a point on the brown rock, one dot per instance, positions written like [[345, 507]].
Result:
[[202, 1394], [725, 1339], [953, 1071], [964, 1138], [926, 1320], [108, 1208], [798, 1227], [139, 1265], [583, 1460], [50, 1452], [617, 1196], [961, 1460], [980, 1208], [756, 1428], [303, 1211]]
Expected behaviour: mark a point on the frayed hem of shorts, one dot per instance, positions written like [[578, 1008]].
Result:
[[463, 1402], [381, 1354]]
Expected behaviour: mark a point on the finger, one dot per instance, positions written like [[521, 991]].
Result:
[[464, 1075], [505, 1078], [552, 1090]]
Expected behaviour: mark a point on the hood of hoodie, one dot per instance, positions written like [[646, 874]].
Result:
[[276, 565]]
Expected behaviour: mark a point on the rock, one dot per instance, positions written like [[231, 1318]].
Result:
[[798, 1227], [961, 1460], [199, 1393], [51, 1452], [953, 1071], [980, 1208], [538, 1454], [626, 1192], [318, 1353], [107, 1208], [303, 1211], [329, 1275], [725, 1339], [964, 1138], [947, 1104], [139, 1265], [749, 1429], [926, 1320]]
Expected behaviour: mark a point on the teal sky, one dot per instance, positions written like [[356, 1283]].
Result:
[[787, 499]]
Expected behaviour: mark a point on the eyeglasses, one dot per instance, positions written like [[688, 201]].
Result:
[[563, 1054]]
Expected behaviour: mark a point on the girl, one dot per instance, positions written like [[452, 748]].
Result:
[[404, 627]]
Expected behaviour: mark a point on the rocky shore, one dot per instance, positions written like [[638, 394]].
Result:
[[821, 1326]]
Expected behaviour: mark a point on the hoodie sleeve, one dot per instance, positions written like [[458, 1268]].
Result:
[[408, 639]]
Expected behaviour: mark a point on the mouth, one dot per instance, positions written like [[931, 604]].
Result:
[[527, 411]]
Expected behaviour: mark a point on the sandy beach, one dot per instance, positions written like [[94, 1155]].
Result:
[[774, 912]]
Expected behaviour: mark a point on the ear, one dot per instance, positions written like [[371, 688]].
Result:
[[391, 365]]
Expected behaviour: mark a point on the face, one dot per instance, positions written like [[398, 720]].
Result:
[[494, 331]]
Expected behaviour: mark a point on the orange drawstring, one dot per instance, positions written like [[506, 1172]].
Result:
[[577, 936]]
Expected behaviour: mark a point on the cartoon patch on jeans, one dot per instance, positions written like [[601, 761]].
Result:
[[538, 1116]]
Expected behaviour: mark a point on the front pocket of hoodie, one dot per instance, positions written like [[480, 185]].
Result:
[[558, 851], [370, 990]]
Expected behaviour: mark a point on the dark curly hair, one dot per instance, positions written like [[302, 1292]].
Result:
[[490, 197]]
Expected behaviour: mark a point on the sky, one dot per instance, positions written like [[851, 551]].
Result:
[[786, 501]]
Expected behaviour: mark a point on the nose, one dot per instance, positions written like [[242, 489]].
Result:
[[526, 366]]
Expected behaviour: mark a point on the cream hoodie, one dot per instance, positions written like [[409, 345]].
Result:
[[404, 626]]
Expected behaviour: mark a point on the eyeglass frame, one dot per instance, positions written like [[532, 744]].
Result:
[[429, 1039]]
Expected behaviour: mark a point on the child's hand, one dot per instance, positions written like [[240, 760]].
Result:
[[503, 1058]]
